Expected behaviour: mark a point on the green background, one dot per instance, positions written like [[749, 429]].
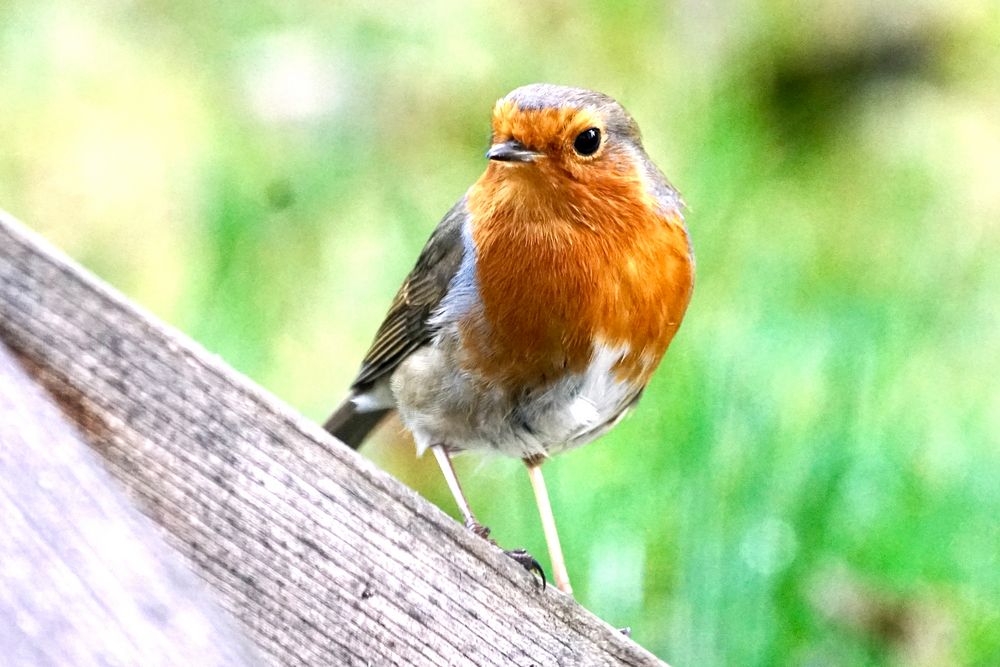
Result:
[[813, 476]]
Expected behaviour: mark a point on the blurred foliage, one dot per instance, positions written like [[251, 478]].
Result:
[[812, 477]]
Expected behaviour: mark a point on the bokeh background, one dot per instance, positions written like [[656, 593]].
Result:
[[813, 477]]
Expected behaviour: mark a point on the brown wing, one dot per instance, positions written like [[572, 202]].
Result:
[[406, 326]]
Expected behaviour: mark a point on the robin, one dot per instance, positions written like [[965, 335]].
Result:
[[542, 303]]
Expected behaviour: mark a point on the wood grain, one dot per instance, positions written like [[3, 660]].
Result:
[[85, 578]]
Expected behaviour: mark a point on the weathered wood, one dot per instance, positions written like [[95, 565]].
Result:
[[322, 557], [85, 579]]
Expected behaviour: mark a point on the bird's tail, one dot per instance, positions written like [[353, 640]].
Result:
[[350, 425]]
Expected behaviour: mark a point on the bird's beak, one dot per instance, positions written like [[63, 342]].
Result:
[[511, 151]]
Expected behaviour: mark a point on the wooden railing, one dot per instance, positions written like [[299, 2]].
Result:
[[131, 458]]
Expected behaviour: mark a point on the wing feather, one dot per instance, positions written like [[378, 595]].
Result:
[[407, 326]]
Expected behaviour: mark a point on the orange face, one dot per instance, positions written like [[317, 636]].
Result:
[[552, 132], [573, 251]]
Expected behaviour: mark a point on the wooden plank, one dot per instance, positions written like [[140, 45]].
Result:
[[324, 558], [85, 578]]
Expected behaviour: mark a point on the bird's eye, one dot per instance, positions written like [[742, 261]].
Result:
[[587, 142]]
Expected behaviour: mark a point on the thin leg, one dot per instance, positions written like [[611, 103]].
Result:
[[448, 470], [521, 556], [559, 572]]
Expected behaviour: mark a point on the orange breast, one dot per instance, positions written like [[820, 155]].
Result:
[[563, 267]]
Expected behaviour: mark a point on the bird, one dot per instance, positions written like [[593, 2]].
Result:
[[542, 303]]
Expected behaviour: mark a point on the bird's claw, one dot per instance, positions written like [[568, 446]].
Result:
[[520, 556], [528, 562], [479, 529]]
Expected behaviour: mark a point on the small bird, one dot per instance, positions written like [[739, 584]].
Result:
[[542, 302]]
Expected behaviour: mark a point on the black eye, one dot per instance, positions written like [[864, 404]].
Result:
[[587, 142]]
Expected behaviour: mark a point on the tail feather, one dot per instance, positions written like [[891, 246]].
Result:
[[350, 425]]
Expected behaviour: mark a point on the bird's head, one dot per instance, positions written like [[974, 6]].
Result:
[[564, 132], [570, 145]]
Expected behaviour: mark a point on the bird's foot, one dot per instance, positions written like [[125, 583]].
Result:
[[520, 556], [528, 562], [479, 529]]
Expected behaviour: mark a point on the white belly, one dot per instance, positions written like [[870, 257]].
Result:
[[444, 405]]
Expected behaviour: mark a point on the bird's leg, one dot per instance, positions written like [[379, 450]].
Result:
[[534, 465], [448, 470], [521, 556]]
